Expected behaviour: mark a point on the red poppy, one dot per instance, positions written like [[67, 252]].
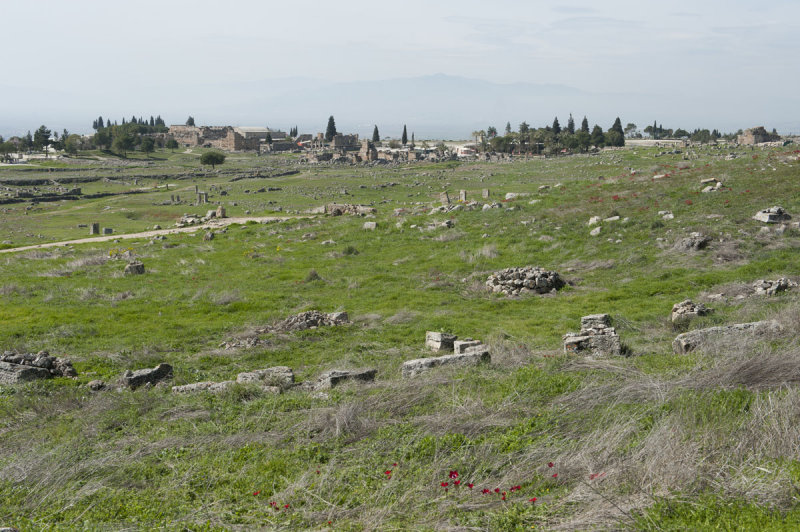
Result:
[[470, 485], [394, 464], [286, 506], [317, 471], [387, 472], [256, 492], [532, 499], [485, 491], [456, 482], [549, 464], [453, 474], [497, 490], [445, 484], [555, 475]]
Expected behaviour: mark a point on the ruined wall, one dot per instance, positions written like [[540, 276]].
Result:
[[756, 135]]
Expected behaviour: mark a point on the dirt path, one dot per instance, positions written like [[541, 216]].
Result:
[[215, 224]]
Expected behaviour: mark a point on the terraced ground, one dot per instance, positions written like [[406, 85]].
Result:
[[650, 441]]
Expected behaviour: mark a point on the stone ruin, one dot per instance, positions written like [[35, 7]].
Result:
[[305, 320], [146, 377], [689, 341], [772, 215], [597, 338], [134, 268], [694, 242], [23, 367], [686, 310], [466, 352], [770, 288], [337, 209], [528, 279]]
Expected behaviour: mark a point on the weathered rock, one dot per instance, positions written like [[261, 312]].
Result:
[[97, 385], [312, 319], [472, 357], [439, 341], [370, 226], [213, 387], [280, 376], [595, 231], [134, 268], [771, 288], [337, 209], [18, 373], [772, 215], [22, 367], [515, 281], [208, 236], [221, 212], [694, 242], [152, 376], [687, 310], [597, 337], [462, 346], [335, 377], [686, 342]]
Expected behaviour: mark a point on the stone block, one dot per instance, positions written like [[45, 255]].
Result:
[[195, 387], [687, 342], [151, 376], [462, 346], [19, 373], [473, 357], [439, 341], [280, 376], [335, 377]]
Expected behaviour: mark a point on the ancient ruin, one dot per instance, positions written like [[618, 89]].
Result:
[[597, 338], [528, 279]]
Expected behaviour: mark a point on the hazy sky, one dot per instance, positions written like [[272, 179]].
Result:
[[122, 55]]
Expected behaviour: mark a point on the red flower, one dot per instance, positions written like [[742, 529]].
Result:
[[255, 493], [470, 485], [532, 499], [394, 464], [445, 484], [317, 471], [503, 497], [456, 482], [453, 474], [286, 506], [549, 464], [273, 503], [497, 490], [388, 472], [485, 491], [555, 475], [688, 202]]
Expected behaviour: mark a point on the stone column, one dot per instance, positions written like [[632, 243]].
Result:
[[94, 229], [462, 195]]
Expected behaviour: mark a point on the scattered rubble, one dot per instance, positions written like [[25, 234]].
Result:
[[694, 242], [281, 377], [23, 367], [687, 342], [149, 376], [686, 310], [515, 281], [213, 387], [772, 215], [597, 337], [771, 288], [305, 320]]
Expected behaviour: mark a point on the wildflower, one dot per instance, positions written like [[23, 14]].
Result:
[[255, 493], [555, 475], [532, 499], [394, 464], [286, 506], [470, 485], [388, 472], [445, 484], [456, 482], [688, 202], [497, 490], [550, 464], [317, 471], [453, 474]]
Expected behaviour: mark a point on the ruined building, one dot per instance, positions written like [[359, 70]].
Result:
[[225, 138], [757, 135]]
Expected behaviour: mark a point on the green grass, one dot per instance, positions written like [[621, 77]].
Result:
[[674, 451]]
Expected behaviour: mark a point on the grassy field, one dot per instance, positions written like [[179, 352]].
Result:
[[653, 441]]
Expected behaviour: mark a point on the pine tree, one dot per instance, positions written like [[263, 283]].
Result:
[[618, 126], [598, 137], [585, 125], [376, 137], [571, 124], [94, 124], [330, 131], [404, 138], [190, 121], [508, 128], [152, 121], [100, 122], [556, 126]]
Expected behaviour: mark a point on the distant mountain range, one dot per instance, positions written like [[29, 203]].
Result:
[[436, 106]]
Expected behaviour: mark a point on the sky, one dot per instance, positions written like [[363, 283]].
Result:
[[723, 64]]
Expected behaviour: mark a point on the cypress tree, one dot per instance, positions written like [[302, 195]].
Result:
[[376, 137], [404, 138], [571, 124], [508, 128], [585, 125], [556, 126], [330, 132]]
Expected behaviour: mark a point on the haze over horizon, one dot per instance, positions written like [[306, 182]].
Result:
[[444, 69]]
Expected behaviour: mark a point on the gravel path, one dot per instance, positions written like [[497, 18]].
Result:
[[215, 224]]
